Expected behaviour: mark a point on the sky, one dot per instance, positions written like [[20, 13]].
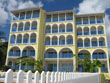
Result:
[[80, 6]]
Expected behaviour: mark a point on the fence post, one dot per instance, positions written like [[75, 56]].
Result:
[[9, 76], [62, 77], [20, 77], [56, 77], [29, 77], [36, 77], [48, 77], [59, 76], [43, 77], [52, 77]]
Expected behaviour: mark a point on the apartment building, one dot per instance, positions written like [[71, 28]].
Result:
[[56, 36]]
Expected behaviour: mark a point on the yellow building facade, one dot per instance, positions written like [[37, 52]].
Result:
[[56, 37]]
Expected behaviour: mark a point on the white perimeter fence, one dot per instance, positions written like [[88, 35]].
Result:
[[51, 77]]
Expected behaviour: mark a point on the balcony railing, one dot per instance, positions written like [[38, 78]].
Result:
[[20, 29], [62, 19], [54, 30], [100, 21], [69, 18], [93, 32], [80, 44], [87, 44], [33, 40], [78, 22], [66, 55], [69, 42], [28, 54], [69, 29], [34, 28], [79, 33], [25, 40], [61, 30], [14, 29], [99, 56], [47, 43], [19, 41], [50, 56], [94, 44], [14, 54], [101, 32], [54, 42], [62, 42], [67, 68], [86, 32], [101, 43], [16, 67]]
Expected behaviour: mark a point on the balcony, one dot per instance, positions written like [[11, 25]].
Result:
[[27, 28], [61, 30], [62, 19], [55, 20], [35, 16], [100, 21], [54, 30]]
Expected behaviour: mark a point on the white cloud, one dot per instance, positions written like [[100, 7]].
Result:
[[93, 6], [7, 5]]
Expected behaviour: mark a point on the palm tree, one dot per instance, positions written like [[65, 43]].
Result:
[[28, 60]]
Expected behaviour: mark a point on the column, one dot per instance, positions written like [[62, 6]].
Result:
[[95, 20], [32, 14], [65, 40], [50, 41], [89, 19], [57, 62], [82, 20]]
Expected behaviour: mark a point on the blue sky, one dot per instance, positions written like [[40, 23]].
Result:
[[82, 6]]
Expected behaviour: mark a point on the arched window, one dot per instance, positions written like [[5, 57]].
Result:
[[14, 27], [87, 42], [48, 29], [100, 30], [69, 40], [26, 38], [33, 38], [101, 41], [55, 28], [99, 54], [50, 53], [93, 30], [54, 40], [66, 53], [94, 42], [83, 54], [20, 27], [80, 43], [86, 31], [47, 41], [15, 51], [62, 40], [27, 26], [34, 25], [69, 28], [19, 38], [62, 28], [79, 31], [28, 51], [12, 39]]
